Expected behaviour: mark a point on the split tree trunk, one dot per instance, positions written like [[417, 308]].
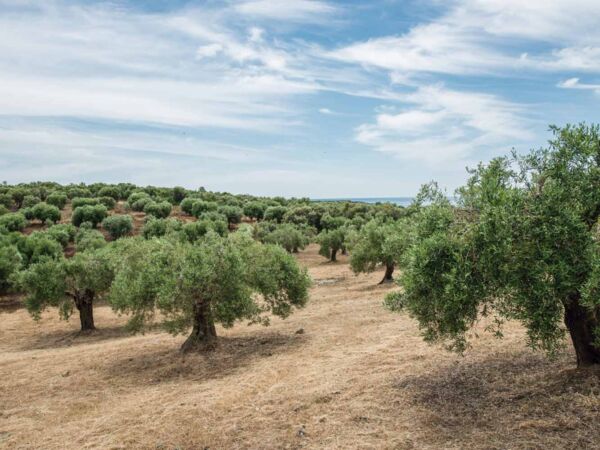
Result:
[[204, 334], [333, 255], [85, 305], [582, 324], [387, 278]]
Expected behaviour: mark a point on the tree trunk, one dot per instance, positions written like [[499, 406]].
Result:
[[582, 324], [333, 255], [85, 305], [344, 251], [387, 278], [204, 334]]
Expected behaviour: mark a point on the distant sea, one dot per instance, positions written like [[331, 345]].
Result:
[[402, 201]]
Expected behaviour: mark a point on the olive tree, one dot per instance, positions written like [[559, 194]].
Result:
[[331, 243], [58, 199], [6, 200], [232, 213], [10, 262], [159, 210], [118, 225], [288, 236], [89, 239], [67, 283], [160, 227], [275, 213], [217, 280], [379, 243], [200, 207], [255, 210], [521, 244], [93, 214], [13, 221], [45, 212]]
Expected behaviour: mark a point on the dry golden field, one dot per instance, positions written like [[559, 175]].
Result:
[[343, 373]]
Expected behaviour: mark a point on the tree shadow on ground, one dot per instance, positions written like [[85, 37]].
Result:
[[11, 302], [162, 364], [44, 340], [511, 400]]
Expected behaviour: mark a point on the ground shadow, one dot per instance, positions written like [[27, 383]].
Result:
[[11, 302], [165, 364], [515, 400], [44, 340]]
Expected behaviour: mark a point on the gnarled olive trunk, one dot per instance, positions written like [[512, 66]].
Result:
[[387, 277], [582, 324], [333, 255], [204, 334], [84, 301]]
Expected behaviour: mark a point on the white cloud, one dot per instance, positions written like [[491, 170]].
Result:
[[445, 125], [325, 111], [208, 50], [487, 37], [573, 83], [289, 10], [183, 68]]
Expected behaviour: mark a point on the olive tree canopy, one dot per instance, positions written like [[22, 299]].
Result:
[[522, 243]]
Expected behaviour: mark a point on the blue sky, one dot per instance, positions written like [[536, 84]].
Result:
[[288, 97]]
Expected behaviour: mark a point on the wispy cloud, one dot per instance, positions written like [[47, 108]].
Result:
[[288, 10], [488, 37], [441, 125], [574, 83]]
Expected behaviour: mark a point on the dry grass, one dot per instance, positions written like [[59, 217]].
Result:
[[358, 377]]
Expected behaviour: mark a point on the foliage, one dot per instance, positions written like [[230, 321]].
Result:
[[107, 201], [58, 199], [179, 194], [158, 210], [83, 201], [160, 227], [329, 222], [88, 239], [67, 283], [13, 221], [30, 201], [198, 285], [78, 192], [39, 246], [378, 243], [193, 231], [10, 262], [140, 204], [45, 212], [255, 210], [304, 215], [522, 244], [200, 207], [18, 194], [232, 213], [186, 204], [110, 191], [89, 213], [62, 233], [290, 237], [6, 200], [118, 225], [331, 242], [275, 213]]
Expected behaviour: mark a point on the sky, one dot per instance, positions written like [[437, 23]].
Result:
[[288, 97]]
